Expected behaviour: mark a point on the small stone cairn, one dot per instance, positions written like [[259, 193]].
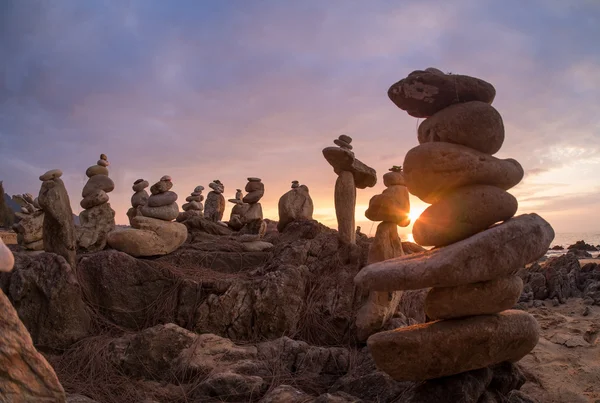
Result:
[[295, 205], [352, 174], [194, 206], [472, 269], [215, 202], [238, 211], [138, 199], [154, 232], [255, 191], [98, 218], [31, 220], [391, 207]]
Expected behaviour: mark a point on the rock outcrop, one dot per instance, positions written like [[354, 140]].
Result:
[[98, 218], [295, 205]]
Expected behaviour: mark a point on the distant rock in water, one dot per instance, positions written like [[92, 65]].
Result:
[[557, 247], [581, 245]]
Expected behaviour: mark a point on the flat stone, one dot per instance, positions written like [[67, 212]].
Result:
[[345, 138], [149, 237], [394, 178], [96, 170], [473, 124], [424, 93], [198, 189], [194, 205], [162, 199], [139, 198], [344, 160], [342, 144], [96, 198], [254, 196], [462, 213], [98, 182], [139, 185], [235, 201], [254, 179], [196, 198], [52, 174], [167, 213], [392, 205], [103, 163], [217, 187], [443, 348], [253, 186], [483, 298], [161, 186], [432, 170], [497, 252]]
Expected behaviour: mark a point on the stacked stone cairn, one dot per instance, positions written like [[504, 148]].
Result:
[[472, 269], [215, 202], [58, 228], [194, 206], [154, 232], [352, 174], [391, 207], [238, 211], [295, 205], [255, 191], [138, 199], [98, 218], [31, 219]]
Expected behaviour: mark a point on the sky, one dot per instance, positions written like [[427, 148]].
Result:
[[203, 90]]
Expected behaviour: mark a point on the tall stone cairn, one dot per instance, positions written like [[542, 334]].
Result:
[[98, 218], [391, 207], [352, 174], [138, 199], [472, 270], [215, 202]]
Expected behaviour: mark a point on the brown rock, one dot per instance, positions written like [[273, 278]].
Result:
[[214, 206], [51, 174], [161, 186], [443, 348], [424, 93], [392, 205], [139, 198], [393, 178], [98, 182], [254, 212], [253, 186], [253, 196], [162, 199], [96, 170], [483, 298], [96, 198], [462, 213], [432, 170], [497, 252], [295, 205], [149, 237], [167, 213], [345, 205], [473, 124], [344, 160], [59, 230], [95, 224], [7, 259], [140, 185]]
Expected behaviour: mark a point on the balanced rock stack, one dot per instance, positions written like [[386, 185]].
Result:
[[295, 205], [238, 211], [472, 270], [139, 198], [98, 218], [352, 174], [255, 191], [391, 207], [215, 202], [194, 206], [31, 219], [153, 232]]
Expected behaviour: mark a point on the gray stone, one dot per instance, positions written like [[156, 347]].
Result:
[[161, 186], [95, 224], [295, 205], [139, 198], [253, 196], [342, 144], [253, 186], [198, 189], [214, 206], [140, 185], [345, 138], [162, 199], [103, 163], [52, 174], [149, 237], [193, 205], [98, 182], [392, 205], [95, 198], [96, 170], [166, 213], [394, 178], [198, 198]]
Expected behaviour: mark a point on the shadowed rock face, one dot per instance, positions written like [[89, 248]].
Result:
[[59, 230]]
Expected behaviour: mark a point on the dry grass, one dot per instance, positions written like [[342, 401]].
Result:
[[8, 237]]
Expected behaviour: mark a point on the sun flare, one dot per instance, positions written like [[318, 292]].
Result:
[[415, 213]]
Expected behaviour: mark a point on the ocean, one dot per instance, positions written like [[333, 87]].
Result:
[[565, 239]]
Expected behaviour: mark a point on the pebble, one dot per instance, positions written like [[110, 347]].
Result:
[[52, 174], [103, 157]]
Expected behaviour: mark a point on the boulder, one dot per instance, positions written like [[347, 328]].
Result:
[[433, 170], [95, 224], [58, 228], [344, 160], [463, 213], [149, 237], [214, 206], [581, 245], [483, 298], [423, 93], [476, 125], [295, 205], [497, 252], [449, 347]]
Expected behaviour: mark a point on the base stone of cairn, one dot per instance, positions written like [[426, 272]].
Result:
[[139, 198], [58, 228], [392, 208], [295, 205], [98, 218], [194, 206], [472, 269], [31, 220], [352, 174], [153, 232], [215, 202]]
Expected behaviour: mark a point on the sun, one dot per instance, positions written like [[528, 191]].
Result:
[[415, 213]]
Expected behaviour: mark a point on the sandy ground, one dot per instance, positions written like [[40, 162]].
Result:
[[565, 365], [8, 237]]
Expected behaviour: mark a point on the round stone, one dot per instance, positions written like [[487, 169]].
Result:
[[473, 124], [103, 163], [342, 144], [192, 206], [161, 187], [433, 170], [392, 205], [166, 178], [345, 138], [139, 198], [394, 178], [448, 347], [98, 182], [197, 198], [253, 196], [253, 186], [162, 199], [103, 157], [199, 189], [217, 187], [166, 213], [483, 298], [435, 71], [96, 170], [463, 213], [139, 185], [96, 198], [52, 174]]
